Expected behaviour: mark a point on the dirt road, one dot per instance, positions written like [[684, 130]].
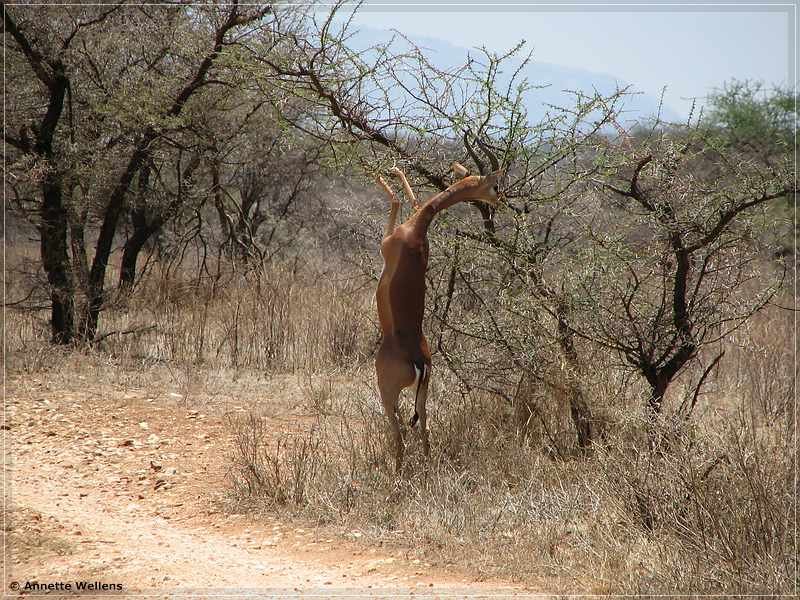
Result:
[[112, 484]]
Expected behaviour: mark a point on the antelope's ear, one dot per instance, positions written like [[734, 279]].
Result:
[[495, 177]]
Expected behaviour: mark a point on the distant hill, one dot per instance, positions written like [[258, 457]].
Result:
[[559, 79]]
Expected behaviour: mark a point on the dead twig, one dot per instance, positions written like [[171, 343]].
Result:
[[125, 332]]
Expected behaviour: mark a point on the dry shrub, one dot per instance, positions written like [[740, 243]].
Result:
[[320, 466], [707, 511], [484, 493], [318, 392], [541, 411], [278, 472], [714, 505], [761, 369]]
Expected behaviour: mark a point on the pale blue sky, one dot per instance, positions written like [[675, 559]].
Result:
[[688, 51]]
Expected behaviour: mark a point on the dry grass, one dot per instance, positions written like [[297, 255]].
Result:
[[33, 537], [709, 510], [269, 319]]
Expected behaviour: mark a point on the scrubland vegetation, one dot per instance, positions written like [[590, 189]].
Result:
[[613, 400]]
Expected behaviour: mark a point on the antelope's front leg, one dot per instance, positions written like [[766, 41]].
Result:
[[406, 186], [394, 208]]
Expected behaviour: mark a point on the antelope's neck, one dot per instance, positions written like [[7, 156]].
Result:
[[434, 206]]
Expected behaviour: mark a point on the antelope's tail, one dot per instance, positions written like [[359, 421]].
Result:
[[421, 369]]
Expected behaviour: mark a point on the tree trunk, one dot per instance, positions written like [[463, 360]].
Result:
[[80, 264], [53, 227], [141, 233], [130, 253], [108, 229], [580, 410], [55, 260], [581, 416], [658, 389], [659, 382]]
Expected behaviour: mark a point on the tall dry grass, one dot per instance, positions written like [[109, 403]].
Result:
[[710, 510], [269, 318]]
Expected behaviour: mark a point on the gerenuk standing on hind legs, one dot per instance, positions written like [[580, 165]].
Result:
[[404, 358]]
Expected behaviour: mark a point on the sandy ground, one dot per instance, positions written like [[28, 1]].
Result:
[[111, 483]]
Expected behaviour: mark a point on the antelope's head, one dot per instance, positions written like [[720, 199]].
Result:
[[483, 188], [487, 184]]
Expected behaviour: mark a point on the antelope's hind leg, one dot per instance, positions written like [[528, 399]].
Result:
[[393, 376], [421, 411], [389, 400]]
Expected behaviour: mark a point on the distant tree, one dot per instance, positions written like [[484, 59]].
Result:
[[263, 178], [760, 122], [750, 115]]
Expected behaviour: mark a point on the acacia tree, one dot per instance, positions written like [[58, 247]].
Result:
[[390, 105], [129, 105], [44, 57], [678, 262], [748, 115]]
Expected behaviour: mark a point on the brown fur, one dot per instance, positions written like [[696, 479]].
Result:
[[401, 305]]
